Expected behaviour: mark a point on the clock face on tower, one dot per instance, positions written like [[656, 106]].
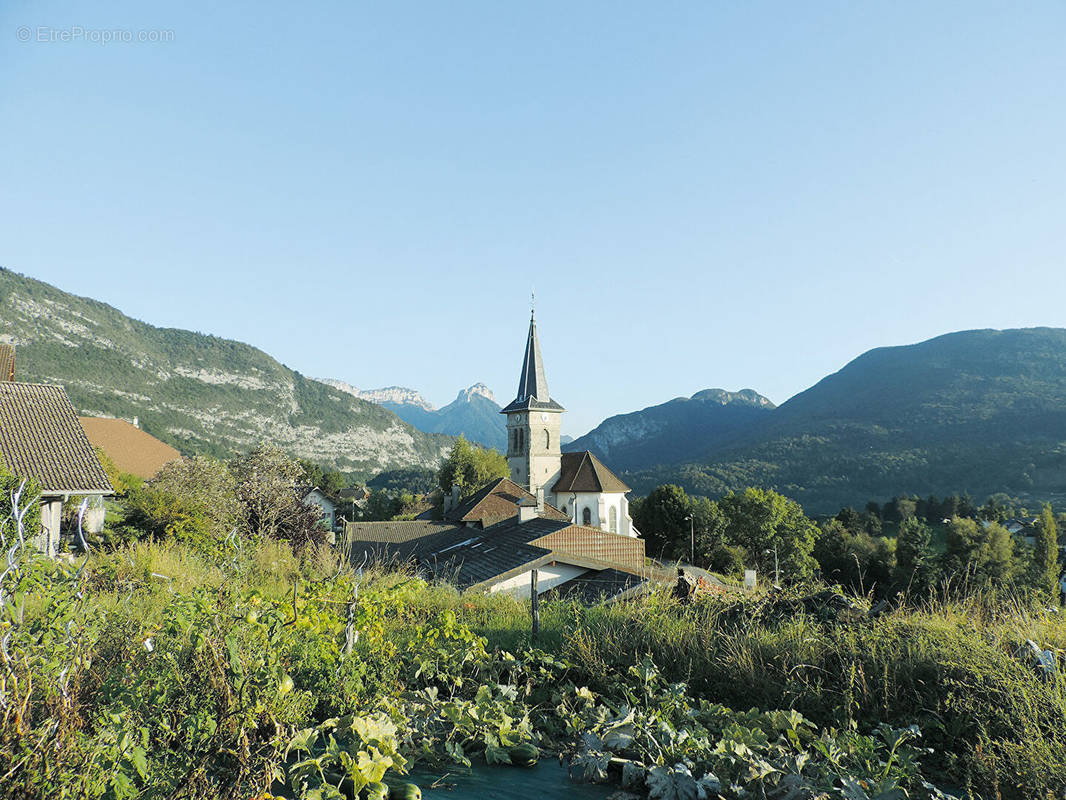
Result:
[[544, 417]]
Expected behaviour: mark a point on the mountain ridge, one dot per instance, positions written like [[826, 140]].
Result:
[[980, 411], [197, 392], [679, 429]]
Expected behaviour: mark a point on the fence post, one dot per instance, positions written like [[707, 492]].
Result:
[[534, 600]]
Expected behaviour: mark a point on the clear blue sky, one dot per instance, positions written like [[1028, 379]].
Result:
[[704, 194]]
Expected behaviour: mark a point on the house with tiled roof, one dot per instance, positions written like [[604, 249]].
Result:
[[41, 438], [502, 556], [7, 362], [132, 449]]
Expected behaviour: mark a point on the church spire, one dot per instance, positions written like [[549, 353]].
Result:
[[532, 383]]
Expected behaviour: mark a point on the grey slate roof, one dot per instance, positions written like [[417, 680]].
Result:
[[583, 472], [464, 556], [40, 437], [604, 584], [532, 383]]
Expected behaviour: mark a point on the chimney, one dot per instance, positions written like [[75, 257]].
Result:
[[527, 510], [451, 501], [540, 500]]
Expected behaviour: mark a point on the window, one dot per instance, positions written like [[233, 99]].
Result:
[[547, 440], [613, 516], [586, 516]]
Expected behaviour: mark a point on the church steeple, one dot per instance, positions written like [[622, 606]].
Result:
[[533, 418], [532, 383]]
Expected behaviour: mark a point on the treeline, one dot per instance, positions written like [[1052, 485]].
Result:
[[766, 531]]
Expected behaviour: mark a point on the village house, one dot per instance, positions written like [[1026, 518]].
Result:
[[132, 450], [7, 362], [41, 438]]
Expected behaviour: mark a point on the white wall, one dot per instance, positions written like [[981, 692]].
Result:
[[316, 498], [547, 578], [600, 505]]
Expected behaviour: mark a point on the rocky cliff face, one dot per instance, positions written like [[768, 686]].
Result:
[[198, 393], [397, 395]]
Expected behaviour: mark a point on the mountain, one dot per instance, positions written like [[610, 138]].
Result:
[[394, 395], [976, 411], [199, 393], [681, 430], [474, 413]]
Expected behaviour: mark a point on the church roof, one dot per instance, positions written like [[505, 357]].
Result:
[[583, 472], [532, 383], [496, 503]]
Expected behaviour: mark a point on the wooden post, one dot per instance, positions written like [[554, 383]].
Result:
[[534, 600]]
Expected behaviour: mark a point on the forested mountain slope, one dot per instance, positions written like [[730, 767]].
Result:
[[976, 411], [679, 430], [200, 393]]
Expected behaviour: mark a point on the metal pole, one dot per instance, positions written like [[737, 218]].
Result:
[[692, 534], [534, 601]]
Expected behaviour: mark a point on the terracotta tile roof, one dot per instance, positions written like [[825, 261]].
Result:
[[583, 472], [498, 502], [132, 450], [7, 362], [615, 549], [40, 437]]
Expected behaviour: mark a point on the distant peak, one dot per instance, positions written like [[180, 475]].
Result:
[[400, 395], [743, 397], [478, 389]]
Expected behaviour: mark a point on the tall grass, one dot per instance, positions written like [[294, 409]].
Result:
[[955, 667]]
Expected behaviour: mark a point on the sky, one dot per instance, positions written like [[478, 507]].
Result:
[[703, 194]]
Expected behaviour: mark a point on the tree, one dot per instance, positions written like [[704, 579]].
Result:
[[266, 488], [662, 517], [760, 520], [206, 482], [1046, 556], [983, 552], [915, 559], [329, 481], [470, 467], [856, 560], [850, 519], [381, 506], [161, 515]]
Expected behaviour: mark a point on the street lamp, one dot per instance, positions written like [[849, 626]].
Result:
[[692, 538], [777, 570]]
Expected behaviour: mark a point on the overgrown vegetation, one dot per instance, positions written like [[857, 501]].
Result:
[[159, 670]]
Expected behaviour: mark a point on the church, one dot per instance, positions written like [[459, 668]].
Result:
[[560, 523], [578, 484]]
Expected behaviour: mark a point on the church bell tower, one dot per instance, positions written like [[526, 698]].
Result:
[[533, 425]]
